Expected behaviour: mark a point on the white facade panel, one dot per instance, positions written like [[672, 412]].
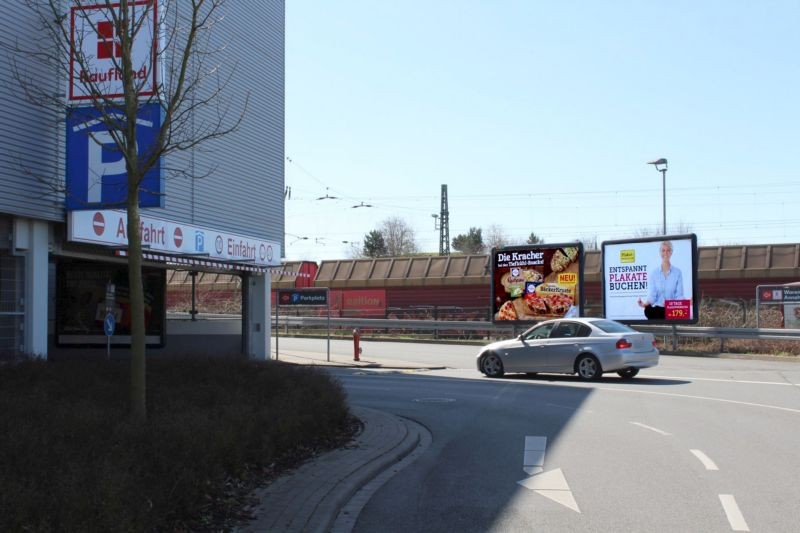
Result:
[[232, 184], [239, 178], [31, 153]]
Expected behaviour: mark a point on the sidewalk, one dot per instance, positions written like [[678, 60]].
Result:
[[347, 361], [311, 497]]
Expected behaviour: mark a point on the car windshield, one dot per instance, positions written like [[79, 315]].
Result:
[[609, 326], [539, 332]]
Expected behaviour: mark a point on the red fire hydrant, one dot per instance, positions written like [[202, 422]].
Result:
[[356, 347]]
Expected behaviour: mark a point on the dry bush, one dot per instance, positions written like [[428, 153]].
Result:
[[738, 314]]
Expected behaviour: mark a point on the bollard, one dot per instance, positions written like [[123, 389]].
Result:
[[356, 347]]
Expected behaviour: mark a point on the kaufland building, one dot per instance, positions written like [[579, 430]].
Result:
[[63, 256]]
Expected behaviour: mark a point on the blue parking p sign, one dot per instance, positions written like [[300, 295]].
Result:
[[96, 175]]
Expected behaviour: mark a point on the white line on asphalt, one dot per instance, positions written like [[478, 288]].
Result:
[[582, 385], [563, 407], [552, 485], [650, 428], [789, 409], [735, 516], [743, 381], [708, 463], [533, 455]]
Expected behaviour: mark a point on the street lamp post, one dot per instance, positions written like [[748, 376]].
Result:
[[661, 166]]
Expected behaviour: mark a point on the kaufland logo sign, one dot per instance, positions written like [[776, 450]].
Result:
[[96, 49], [109, 227]]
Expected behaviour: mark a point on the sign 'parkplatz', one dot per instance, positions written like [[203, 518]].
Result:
[[96, 51], [110, 227]]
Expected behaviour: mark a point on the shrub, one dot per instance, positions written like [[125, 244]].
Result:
[[70, 459]]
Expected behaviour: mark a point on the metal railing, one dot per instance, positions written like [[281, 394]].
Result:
[[496, 329], [478, 330]]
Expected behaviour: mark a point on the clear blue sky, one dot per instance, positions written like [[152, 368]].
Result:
[[541, 116]]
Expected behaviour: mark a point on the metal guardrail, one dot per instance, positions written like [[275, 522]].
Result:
[[449, 326], [444, 325], [723, 333]]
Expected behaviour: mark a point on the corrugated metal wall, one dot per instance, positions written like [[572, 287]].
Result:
[[30, 138], [241, 189], [240, 175]]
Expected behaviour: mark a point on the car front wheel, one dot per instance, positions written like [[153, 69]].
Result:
[[492, 365], [588, 368], [628, 373]]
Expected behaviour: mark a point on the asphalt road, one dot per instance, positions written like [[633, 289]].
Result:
[[695, 444]]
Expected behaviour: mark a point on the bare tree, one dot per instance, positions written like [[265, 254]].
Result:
[[496, 237], [644, 232], [398, 237], [187, 79], [681, 228], [589, 243]]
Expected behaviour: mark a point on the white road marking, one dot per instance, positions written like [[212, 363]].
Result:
[[567, 407], [552, 485], [639, 391], [533, 455], [708, 463], [723, 400], [783, 383], [660, 432], [735, 516]]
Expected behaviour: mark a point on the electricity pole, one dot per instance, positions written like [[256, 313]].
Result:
[[444, 225]]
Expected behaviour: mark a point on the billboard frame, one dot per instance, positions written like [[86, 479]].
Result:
[[695, 304], [580, 301]]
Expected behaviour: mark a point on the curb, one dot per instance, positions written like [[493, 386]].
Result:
[[310, 498]]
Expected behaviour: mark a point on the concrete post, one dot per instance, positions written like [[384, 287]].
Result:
[[259, 326]]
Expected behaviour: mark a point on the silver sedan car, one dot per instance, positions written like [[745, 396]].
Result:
[[584, 346]]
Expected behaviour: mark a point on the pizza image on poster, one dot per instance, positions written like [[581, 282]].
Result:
[[531, 283]]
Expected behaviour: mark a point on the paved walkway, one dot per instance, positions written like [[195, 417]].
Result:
[[316, 358], [311, 497]]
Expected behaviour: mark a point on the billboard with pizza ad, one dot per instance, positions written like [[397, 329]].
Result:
[[651, 280], [537, 282]]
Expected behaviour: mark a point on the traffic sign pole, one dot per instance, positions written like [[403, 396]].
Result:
[[108, 327]]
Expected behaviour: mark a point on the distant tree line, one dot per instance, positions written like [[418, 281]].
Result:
[[394, 237]]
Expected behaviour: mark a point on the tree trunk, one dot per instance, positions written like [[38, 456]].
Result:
[[138, 371]]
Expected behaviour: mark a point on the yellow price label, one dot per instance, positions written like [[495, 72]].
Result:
[[567, 278]]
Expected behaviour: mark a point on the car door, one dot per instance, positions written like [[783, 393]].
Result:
[[564, 344], [528, 353]]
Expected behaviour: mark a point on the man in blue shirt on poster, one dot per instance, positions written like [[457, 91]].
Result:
[[664, 283]]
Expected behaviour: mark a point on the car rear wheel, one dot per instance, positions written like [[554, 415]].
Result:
[[588, 368], [492, 365], [628, 373]]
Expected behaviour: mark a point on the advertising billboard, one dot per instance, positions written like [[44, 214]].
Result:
[[651, 280], [537, 282], [786, 296]]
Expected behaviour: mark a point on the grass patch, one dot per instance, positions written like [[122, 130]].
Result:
[[71, 460]]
